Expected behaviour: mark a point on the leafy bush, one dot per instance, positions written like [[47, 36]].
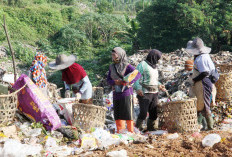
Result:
[[104, 6], [24, 54]]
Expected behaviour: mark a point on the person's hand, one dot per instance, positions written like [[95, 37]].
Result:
[[67, 94], [140, 92], [162, 87], [78, 96], [118, 82]]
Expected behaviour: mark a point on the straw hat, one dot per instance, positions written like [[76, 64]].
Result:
[[196, 47], [62, 62]]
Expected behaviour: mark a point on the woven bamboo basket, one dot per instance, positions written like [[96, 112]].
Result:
[[224, 87], [180, 116], [88, 116], [225, 68], [98, 96], [8, 106]]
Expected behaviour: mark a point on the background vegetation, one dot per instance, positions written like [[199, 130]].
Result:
[[91, 28]]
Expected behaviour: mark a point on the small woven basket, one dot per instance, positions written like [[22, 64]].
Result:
[[225, 68], [180, 116], [224, 87], [88, 116], [8, 106]]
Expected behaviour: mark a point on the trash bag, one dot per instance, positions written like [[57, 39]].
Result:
[[35, 105]]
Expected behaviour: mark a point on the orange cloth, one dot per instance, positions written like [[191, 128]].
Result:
[[189, 65], [121, 125], [130, 125]]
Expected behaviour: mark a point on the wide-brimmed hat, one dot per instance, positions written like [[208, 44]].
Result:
[[197, 47], [62, 62]]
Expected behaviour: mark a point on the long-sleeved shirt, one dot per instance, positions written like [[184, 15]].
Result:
[[148, 83], [127, 91], [84, 86]]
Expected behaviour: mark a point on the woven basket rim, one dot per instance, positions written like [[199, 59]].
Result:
[[90, 106], [180, 101], [12, 94]]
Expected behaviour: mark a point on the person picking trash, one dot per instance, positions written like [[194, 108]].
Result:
[[204, 77], [121, 76], [74, 77], [147, 88]]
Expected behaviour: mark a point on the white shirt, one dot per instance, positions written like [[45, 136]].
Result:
[[204, 63]]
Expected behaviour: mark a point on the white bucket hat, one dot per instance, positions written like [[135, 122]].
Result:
[[62, 62], [197, 47]]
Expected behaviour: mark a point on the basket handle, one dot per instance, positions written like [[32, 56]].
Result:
[[16, 91]]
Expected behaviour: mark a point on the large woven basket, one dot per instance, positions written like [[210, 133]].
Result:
[[224, 87], [225, 68], [8, 106], [88, 116], [180, 116]]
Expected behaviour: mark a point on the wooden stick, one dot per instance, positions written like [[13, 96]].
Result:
[[11, 49]]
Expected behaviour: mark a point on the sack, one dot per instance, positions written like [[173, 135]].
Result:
[[214, 77], [35, 105]]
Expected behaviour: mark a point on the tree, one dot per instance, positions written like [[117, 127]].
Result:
[[168, 25]]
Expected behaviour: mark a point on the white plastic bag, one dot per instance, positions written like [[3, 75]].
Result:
[[120, 153], [14, 148], [173, 136], [210, 140]]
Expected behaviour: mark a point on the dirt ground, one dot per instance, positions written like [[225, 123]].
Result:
[[184, 146]]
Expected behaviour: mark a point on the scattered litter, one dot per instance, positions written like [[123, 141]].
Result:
[[210, 140], [173, 136], [120, 153]]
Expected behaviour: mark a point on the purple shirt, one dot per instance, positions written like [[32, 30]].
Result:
[[128, 91]]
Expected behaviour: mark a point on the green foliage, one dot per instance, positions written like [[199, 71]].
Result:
[[104, 6], [64, 2], [141, 5], [168, 25], [23, 53]]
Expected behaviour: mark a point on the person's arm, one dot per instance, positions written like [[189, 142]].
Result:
[[202, 68], [200, 77], [85, 81], [109, 79], [66, 86]]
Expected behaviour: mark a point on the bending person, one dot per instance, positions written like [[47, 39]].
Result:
[[74, 77]]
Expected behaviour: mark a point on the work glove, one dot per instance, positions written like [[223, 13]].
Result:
[[67, 94]]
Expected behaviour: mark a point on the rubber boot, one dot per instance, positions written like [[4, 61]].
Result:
[[150, 125], [204, 124], [201, 121], [139, 124], [120, 124], [210, 122], [130, 125]]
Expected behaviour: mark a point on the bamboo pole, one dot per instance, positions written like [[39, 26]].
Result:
[[11, 49]]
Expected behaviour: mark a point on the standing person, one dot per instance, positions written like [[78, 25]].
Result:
[[37, 72], [147, 88], [74, 77], [203, 87], [122, 99]]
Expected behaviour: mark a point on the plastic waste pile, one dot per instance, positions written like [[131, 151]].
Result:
[[222, 110]]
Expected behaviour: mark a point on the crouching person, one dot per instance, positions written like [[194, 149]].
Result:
[[203, 87], [147, 88]]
